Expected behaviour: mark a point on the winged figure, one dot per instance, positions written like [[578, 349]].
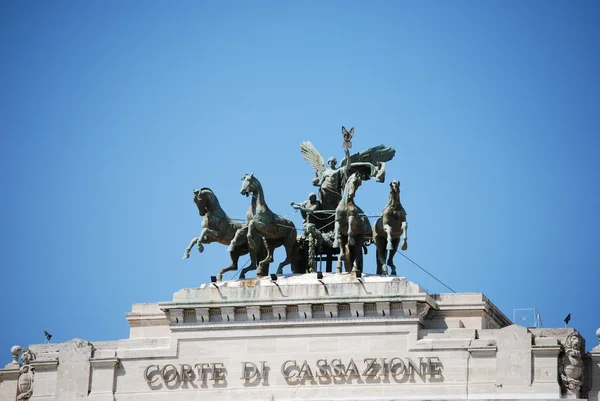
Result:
[[330, 180]]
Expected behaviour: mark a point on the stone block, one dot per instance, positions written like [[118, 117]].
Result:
[[357, 309], [176, 316], [202, 315], [228, 314], [331, 310], [253, 313], [514, 357], [383, 308], [279, 312], [305, 311], [73, 374]]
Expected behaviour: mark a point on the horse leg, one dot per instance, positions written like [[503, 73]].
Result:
[[381, 253], [390, 261], [350, 234], [235, 255], [190, 246], [340, 258], [336, 235], [253, 241], [237, 238], [388, 230], [348, 257], [377, 260], [253, 262], [207, 236], [264, 264], [246, 270], [404, 236], [262, 254], [358, 257], [288, 243]]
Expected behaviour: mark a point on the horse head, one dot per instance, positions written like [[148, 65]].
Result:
[[352, 185], [202, 200], [249, 184], [395, 187]]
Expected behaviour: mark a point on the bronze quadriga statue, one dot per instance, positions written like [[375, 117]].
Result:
[[335, 228]]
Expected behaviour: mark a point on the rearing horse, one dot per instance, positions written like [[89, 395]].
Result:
[[351, 225], [218, 227], [275, 230], [388, 229]]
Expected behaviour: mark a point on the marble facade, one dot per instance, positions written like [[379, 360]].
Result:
[[304, 338]]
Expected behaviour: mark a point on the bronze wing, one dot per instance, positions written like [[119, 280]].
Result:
[[367, 162], [379, 153], [313, 157]]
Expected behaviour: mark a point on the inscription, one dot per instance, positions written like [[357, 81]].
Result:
[[297, 372]]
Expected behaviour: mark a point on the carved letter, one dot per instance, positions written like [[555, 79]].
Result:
[[186, 372], [412, 366], [204, 367], [352, 370], [383, 367], [249, 370], [292, 367], [217, 371], [263, 369], [322, 366], [150, 377], [337, 368], [171, 374], [393, 366], [370, 371], [435, 367], [305, 371]]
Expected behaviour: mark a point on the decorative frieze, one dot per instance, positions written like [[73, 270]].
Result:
[[307, 311]]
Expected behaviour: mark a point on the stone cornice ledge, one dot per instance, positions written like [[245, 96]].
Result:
[[539, 349], [263, 324], [45, 364], [104, 362], [138, 316]]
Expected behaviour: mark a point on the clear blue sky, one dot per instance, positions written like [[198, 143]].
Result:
[[112, 112]]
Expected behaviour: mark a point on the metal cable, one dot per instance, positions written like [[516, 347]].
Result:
[[416, 264]]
